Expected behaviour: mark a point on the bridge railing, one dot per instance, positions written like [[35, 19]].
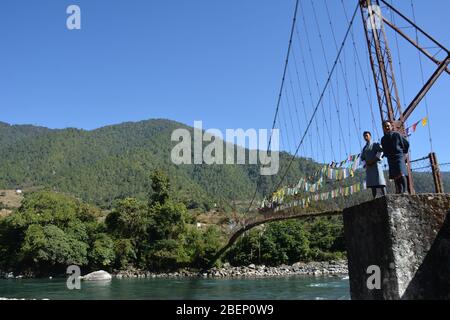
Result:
[[425, 168]]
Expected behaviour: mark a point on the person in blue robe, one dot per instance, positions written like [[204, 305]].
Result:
[[371, 155], [395, 148]]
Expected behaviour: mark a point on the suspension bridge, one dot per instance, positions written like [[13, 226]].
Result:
[[344, 73]]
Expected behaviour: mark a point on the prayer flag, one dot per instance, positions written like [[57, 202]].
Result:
[[424, 122]]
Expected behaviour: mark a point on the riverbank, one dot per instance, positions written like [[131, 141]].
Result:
[[252, 271], [228, 271]]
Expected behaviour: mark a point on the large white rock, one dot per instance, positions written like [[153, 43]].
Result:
[[97, 276]]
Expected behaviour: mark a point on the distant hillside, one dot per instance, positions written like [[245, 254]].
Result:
[[115, 161], [423, 181]]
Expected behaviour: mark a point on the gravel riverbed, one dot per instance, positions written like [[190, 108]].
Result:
[[250, 271]]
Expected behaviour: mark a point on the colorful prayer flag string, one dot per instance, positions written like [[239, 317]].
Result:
[[336, 193], [412, 129]]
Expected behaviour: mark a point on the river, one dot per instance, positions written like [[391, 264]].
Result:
[[282, 288]]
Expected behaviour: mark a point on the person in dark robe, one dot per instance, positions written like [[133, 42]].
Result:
[[395, 147], [371, 155]]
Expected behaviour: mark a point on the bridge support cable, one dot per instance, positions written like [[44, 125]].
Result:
[[317, 82], [343, 70], [325, 126], [308, 82], [334, 92], [423, 79], [329, 79], [302, 96], [368, 83], [278, 99], [283, 125], [296, 101]]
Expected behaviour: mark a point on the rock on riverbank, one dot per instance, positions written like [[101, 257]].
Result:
[[250, 271], [97, 276], [327, 268]]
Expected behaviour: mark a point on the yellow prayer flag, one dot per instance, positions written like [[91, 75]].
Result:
[[424, 122]]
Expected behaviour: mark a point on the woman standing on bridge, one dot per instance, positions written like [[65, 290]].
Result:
[[371, 154]]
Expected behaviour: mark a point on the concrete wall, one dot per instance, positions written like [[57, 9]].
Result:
[[408, 237]]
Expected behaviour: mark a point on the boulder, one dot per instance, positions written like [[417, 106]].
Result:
[[97, 276]]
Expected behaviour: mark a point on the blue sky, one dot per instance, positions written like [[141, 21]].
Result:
[[216, 61]]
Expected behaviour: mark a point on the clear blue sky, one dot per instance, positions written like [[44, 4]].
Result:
[[217, 61]]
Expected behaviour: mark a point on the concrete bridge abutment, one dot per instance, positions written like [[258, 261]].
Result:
[[405, 241]]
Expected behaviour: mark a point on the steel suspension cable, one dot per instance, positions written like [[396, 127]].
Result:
[[322, 94], [368, 84], [294, 19], [423, 79], [342, 69]]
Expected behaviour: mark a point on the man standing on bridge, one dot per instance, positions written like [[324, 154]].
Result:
[[371, 154], [395, 147]]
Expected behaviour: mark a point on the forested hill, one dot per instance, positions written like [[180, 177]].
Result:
[[116, 161]]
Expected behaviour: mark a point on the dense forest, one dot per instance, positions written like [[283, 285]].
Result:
[[51, 231], [113, 162]]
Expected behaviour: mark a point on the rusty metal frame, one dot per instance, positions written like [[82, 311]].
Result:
[[437, 178], [442, 64], [416, 27], [414, 43], [415, 102]]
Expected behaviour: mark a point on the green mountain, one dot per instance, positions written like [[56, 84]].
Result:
[[114, 162]]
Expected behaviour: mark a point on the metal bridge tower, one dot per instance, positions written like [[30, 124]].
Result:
[[382, 66]]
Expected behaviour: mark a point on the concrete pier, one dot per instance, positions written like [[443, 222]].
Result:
[[408, 239]]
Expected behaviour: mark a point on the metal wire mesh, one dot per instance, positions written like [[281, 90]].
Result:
[[421, 165], [423, 175]]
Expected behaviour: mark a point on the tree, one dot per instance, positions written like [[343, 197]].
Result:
[[160, 187], [129, 219], [47, 233], [291, 242], [167, 254], [102, 253], [125, 253], [246, 249], [49, 246], [169, 220], [129, 224], [280, 243], [326, 237], [203, 245]]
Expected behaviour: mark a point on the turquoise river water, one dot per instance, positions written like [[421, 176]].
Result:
[[280, 288]]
